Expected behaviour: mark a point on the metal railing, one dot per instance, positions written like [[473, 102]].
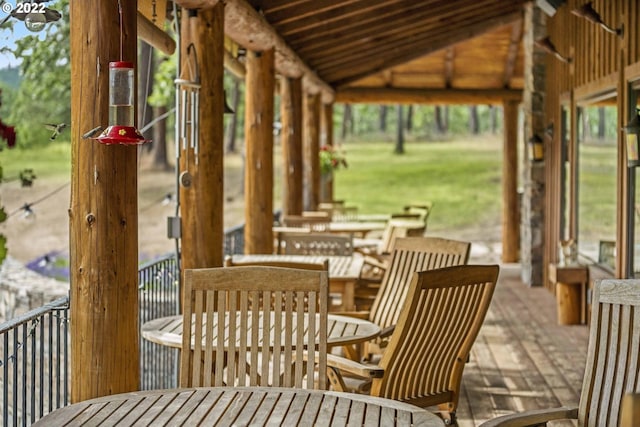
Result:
[[34, 347], [34, 354], [159, 296]]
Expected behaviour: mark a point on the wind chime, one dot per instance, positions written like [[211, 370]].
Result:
[[188, 112]]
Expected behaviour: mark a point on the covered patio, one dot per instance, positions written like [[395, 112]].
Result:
[[326, 52]]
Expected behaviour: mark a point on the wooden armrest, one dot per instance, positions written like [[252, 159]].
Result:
[[533, 418], [357, 314], [374, 262], [353, 367], [387, 332]]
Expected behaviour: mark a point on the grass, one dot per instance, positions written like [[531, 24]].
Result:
[[461, 178], [49, 161]]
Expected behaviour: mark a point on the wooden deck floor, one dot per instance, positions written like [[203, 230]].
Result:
[[522, 359]]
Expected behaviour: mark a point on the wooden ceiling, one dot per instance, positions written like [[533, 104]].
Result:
[[419, 44]]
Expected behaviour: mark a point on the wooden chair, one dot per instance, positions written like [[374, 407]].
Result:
[[613, 358], [334, 299], [252, 326], [323, 266], [315, 244], [438, 323], [410, 254]]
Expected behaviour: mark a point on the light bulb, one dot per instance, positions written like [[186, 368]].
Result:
[[35, 22]]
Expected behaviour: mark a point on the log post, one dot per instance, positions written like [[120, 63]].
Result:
[[311, 151], [327, 133], [202, 202], [510, 203], [103, 212], [260, 85], [291, 139]]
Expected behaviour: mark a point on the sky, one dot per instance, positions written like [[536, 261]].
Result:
[[8, 37]]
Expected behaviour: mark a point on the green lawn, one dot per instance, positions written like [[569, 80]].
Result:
[[461, 178]]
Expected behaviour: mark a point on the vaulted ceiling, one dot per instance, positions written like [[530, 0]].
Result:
[[466, 44]]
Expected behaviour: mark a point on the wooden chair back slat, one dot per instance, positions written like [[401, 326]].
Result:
[[612, 369], [252, 325], [439, 322], [412, 254]]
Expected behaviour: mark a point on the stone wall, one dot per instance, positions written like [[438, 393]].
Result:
[[22, 290]]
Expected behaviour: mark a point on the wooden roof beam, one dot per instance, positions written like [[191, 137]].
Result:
[[196, 4], [248, 28], [448, 66], [512, 54], [371, 95], [154, 36]]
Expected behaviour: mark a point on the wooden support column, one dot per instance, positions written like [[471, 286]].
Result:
[[510, 205], [258, 190], [326, 193], [311, 151], [103, 212], [202, 202], [291, 139]]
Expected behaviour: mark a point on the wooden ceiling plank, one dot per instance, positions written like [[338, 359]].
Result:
[[512, 55], [384, 17], [347, 72], [399, 33], [364, 29], [300, 11], [402, 39], [327, 18], [275, 5], [249, 29], [377, 95]]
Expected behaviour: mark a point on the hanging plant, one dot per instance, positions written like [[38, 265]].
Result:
[[331, 158], [8, 134]]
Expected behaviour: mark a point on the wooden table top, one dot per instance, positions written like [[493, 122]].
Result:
[[342, 330], [239, 406]]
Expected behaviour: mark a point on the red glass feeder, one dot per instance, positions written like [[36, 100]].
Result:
[[121, 128]]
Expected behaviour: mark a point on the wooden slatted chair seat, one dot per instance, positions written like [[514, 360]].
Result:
[[438, 323], [613, 361], [245, 326]]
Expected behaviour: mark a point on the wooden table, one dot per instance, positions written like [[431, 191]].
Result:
[[357, 228], [240, 406], [344, 271], [342, 330]]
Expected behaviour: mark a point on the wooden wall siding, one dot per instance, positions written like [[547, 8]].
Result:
[[599, 63]]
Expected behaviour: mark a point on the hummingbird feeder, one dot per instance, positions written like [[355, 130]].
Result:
[[121, 129]]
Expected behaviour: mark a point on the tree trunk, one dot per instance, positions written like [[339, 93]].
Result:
[[440, 119], [232, 124], [474, 123], [400, 140], [146, 71], [410, 118], [601, 123], [347, 120], [160, 160], [383, 119], [493, 111]]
